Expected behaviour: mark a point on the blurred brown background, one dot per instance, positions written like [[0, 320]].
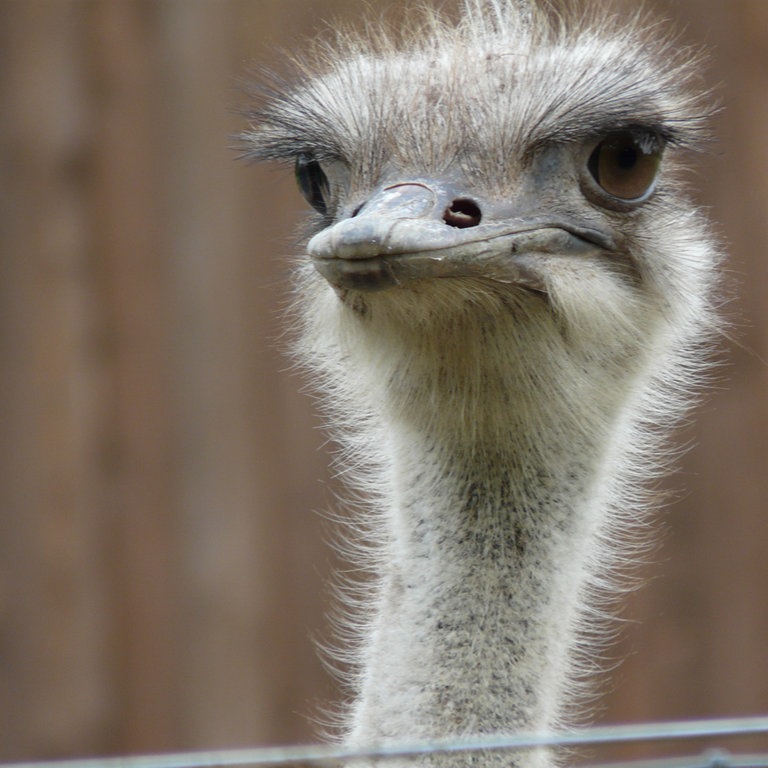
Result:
[[162, 565]]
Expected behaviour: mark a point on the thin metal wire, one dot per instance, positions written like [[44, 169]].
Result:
[[324, 755], [713, 758]]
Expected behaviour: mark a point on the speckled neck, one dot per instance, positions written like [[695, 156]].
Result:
[[480, 595]]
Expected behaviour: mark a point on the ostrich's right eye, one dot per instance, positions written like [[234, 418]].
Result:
[[312, 182]]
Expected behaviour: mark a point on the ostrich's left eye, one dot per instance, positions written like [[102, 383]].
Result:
[[312, 182], [625, 163]]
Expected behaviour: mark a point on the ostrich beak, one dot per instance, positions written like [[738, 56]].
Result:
[[418, 230]]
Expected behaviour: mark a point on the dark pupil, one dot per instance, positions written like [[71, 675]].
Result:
[[626, 157], [312, 182]]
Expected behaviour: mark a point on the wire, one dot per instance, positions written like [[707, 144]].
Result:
[[712, 758], [324, 755]]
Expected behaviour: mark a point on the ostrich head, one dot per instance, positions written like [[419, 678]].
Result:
[[503, 288], [520, 165]]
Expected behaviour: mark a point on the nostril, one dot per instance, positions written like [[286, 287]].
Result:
[[462, 213], [357, 210]]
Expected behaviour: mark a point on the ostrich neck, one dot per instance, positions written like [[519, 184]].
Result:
[[479, 597], [502, 459]]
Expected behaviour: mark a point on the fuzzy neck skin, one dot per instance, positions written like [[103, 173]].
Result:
[[500, 464], [480, 593]]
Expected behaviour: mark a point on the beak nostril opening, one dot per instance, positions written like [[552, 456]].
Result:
[[462, 213]]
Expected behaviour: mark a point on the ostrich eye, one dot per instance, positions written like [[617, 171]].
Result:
[[312, 182], [624, 164]]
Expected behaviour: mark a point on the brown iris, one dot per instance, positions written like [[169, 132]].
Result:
[[625, 163]]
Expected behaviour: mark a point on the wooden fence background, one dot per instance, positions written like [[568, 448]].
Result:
[[162, 567]]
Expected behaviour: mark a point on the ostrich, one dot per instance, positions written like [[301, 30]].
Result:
[[505, 298]]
